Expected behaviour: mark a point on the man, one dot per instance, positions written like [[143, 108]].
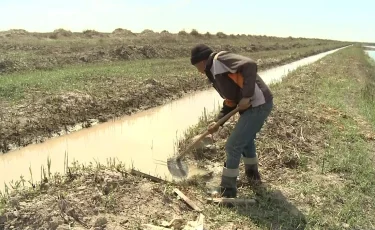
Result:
[[235, 78]]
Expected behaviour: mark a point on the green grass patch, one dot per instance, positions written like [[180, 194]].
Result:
[[322, 113], [341, 81], [87, 78], [98, 78]]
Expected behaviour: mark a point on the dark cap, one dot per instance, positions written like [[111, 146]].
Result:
[[199, 53]]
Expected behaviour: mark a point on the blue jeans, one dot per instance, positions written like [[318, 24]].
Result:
[[241, 141]]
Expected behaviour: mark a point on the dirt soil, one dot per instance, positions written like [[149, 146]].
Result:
[[110, 198], [93, 198], [42, 115], [297, 193], [24, 51], [292, 148], [295, 132], [54, 115], [298, 132]]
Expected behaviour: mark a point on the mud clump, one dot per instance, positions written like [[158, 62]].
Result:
[[13, 33], [92, 34], [60, 33], [137, 52], [6, 66], [100, 222], [123, 32], [147, 33]]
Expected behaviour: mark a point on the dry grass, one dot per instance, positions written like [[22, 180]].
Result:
[[316, 150], [99, 92], [90, 194], [316, 160], [23, 51], [51, 82]]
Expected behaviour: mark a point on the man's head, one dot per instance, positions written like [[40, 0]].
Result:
[[199, 56]]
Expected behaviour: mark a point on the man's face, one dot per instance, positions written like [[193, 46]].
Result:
[[201, 66]]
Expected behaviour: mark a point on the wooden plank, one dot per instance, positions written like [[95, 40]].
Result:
[[231, 201], [141, 174], [187, 200]]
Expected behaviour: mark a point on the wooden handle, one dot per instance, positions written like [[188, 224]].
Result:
[[218, 123], [226, 117]]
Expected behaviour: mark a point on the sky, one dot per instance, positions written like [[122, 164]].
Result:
[[331, 19]]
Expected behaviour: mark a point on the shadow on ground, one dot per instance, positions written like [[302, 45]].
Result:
[[272, 210]]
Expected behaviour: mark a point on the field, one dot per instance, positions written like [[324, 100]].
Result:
[[22, 50], [52, 82], [316, 149]]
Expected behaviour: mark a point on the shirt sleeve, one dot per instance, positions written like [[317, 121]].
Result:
[[228, 106], [243, 65]]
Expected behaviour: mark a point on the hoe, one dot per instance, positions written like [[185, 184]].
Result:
[[176, 166]]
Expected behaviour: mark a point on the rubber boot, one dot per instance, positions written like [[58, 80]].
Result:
[[251, 170], [252, 174], [228, 185]]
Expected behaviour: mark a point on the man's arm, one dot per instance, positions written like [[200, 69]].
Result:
[[228, 106], [249, 73]]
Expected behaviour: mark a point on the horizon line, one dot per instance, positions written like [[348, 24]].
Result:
[[176, 33]]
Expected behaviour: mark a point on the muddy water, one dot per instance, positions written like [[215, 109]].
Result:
[[143, 139], [371, 53]]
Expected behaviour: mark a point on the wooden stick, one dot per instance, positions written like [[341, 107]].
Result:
[[218, 123], [231, 201], [141, 174], [187, 200]]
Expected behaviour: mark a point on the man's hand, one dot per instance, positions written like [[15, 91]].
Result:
[[212, 129], [244, 103]]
